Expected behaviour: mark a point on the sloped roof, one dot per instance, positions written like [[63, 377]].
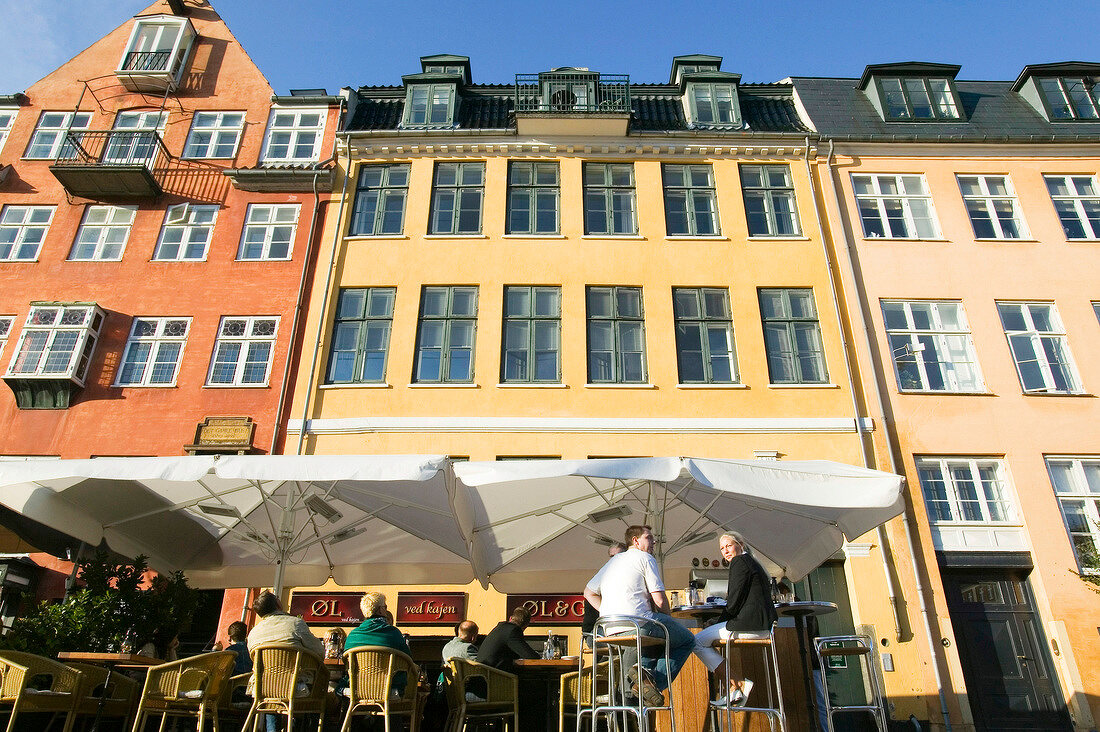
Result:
[[990, 111], [654, 108]]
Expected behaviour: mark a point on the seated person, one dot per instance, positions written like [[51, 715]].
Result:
[[505, 643], [749, 612], [275, 626], [238, 632], [463, 644], [375, 630]]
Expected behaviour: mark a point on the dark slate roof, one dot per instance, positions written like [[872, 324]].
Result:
[[991, 112], [654, 108]]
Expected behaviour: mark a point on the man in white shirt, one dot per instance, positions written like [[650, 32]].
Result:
[[630, 584]]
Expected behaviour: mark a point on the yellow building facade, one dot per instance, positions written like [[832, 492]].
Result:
[[574, 266]]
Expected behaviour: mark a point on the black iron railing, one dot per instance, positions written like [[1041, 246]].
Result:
[[147, 61], [572, 92], [110, 148]]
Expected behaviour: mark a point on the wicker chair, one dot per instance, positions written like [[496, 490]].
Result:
[[371, 691], [501, 701], [190, 687], [575, 694], [18, 669], [287, 680], [117, 693]]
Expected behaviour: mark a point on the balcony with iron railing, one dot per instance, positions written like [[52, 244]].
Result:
[[146, 61], [111, 163], [572, 92]]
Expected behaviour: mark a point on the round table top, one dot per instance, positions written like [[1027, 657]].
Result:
[[698, 612], [804, 608]]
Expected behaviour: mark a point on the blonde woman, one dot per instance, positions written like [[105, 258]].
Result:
[[749, 613]]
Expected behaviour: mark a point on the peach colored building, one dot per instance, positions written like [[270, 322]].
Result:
[[964, 219], [157, 213]]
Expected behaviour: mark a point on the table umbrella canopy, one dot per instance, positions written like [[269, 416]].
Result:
[[545, 525], [252, 520]]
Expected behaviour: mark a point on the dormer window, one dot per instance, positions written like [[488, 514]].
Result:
[[918, 99], [712, 104], [913, 91], [1070, 98], [441, 69], [446, 64], [693, 64], [156, 53], [429, 105]]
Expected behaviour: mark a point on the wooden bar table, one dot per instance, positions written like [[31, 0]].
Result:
[[539, 688], [690, 692]]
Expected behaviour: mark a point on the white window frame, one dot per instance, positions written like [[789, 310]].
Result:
[[1082, 208], [24, 232], [992, 205], [895, 205], [1073, 103], [7, 121], [268, 219], [136, 137], [1041, 342], [56, 328], [432, 95], [6, 323], [713, 90], [1075, 487], [905, 343], [189, 220], [253, 333], [105, 222], [177, 47], [54, 125], [220, 132], [990, 497], [289, 120], [160, 335]]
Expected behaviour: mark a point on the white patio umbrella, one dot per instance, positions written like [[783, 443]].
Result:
[[545, 525], [241, 521]]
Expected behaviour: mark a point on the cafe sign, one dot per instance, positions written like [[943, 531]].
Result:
[[550, 609], [430, 608], [327, 608]]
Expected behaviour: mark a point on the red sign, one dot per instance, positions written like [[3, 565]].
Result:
[[327, 608], [430, 608], [547, 609]]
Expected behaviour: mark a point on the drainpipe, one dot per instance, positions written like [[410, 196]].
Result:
[[324, 301], [846, 349], [302, 282], [860, 321]]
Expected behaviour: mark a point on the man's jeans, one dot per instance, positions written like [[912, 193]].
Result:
[[681, 642]]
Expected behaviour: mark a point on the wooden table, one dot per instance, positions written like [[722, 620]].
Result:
[[112, 661], [539, 691], [800, 611]]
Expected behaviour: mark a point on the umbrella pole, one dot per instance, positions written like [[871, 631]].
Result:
[[277, 588]]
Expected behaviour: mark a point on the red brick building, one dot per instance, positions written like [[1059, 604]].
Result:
[[159, 208]]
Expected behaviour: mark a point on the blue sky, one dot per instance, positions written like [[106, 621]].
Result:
[[334, 43]]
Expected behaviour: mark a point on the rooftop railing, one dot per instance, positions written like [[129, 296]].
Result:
[[574, 92]]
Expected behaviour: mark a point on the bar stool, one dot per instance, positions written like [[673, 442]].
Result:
[[860, 648], [618, 635], [774, 709]]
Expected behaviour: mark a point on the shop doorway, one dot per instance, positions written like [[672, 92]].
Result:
[[1009, 675]]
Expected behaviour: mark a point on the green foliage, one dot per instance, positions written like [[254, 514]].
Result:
[[111, 610]]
